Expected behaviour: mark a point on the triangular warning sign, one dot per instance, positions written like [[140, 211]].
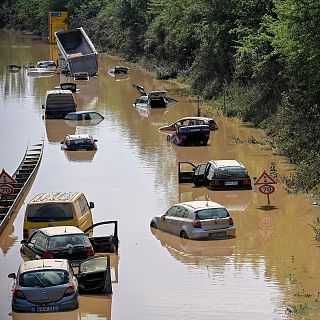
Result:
[[265, 179], [5, 178], [265, 235]]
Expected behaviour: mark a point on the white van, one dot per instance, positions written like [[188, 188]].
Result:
[[58, 103]]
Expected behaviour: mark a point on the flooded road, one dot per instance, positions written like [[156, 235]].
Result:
[[271, 264]]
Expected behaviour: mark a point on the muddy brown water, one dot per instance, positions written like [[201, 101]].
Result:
[[271, 264]]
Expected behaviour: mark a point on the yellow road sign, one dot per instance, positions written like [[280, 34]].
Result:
[[57, 21]]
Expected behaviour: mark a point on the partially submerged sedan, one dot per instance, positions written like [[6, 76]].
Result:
[[69, 242], [189, 121], [79, 142], [216, 175], [196, 220], [46, 285]]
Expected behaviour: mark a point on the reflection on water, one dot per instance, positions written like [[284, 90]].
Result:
[[58, 129], [233, 200], [80, 156]]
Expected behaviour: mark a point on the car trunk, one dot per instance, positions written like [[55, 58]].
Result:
[[72, 253], [44, 295], [215, 224]]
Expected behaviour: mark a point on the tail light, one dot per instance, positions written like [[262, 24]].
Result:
[[196, 223], [183, 138], [17, 293], [247, 182], [231, 221], [207, 135], [47, 255], [25, 233], [71, 290], [90, 252], [214, 183]]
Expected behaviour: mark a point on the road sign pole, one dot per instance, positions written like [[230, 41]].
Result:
[[268, 199]]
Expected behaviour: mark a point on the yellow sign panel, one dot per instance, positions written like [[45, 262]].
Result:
[[57, 21]]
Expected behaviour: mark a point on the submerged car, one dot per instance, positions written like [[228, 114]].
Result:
[[45, 285], [196, 220], [47, 64], [84, 115], [153, 99], [79, 142], [193, 135], [69, 242], [216, 175], [189, 121]]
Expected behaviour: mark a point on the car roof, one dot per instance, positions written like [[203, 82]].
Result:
[[55, 197], [82, 112], [58, 91], [61, 230], [194, 118], [196, 205], [227, 163], [44, 264], [78, 136]]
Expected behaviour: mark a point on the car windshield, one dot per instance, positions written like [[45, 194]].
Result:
[[93, 265], [68, 240], [230, 172], [44, 278], [49, 212], [81, 142], [212, 213]]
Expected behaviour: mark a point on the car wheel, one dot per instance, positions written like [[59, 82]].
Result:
[[153, 225], [183, 235]]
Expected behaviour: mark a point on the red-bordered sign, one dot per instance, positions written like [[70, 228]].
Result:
[[265, 178], [6, 189], [267, 188], [5, 178]]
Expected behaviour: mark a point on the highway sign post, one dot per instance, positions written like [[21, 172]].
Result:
[[265, 183]]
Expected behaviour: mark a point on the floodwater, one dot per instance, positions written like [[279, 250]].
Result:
[[271, 264]]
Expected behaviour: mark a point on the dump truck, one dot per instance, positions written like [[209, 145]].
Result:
[[76, 51]]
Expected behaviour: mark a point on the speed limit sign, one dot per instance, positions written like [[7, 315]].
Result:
[[6, 189], [266, 188]]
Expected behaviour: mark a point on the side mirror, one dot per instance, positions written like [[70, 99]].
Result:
[[12, 275], [95, 140], [24, 241], [91, 205], [61, 142], [194, 169], [162, 217], [42, 106]]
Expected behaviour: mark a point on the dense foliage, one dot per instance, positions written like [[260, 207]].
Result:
[[261, 55]]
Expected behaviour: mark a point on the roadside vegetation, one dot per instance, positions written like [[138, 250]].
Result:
[[257, 60]]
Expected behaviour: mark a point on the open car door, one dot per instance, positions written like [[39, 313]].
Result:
[[140, 89], [199, 175], [105, 244], [186, 172], [94, 276]]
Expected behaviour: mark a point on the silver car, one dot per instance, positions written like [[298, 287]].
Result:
[[196, 220], [46, 285]]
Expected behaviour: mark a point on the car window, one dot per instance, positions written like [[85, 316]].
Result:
[[41, 241], [212, 213], [230, 172], [95, 116], [83, 204], [179, 212], [172, 212], [49, 212], [34, 238], [43, 278], [69, 240]]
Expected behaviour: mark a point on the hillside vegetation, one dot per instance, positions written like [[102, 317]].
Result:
[[262, 55]]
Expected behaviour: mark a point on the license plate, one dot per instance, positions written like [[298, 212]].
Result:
[[47, 308], [231, 183], [217, 234]]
